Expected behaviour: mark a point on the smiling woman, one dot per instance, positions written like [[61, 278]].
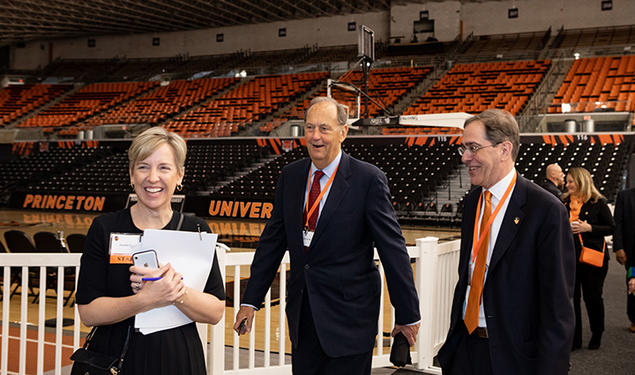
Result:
[[110, 293]]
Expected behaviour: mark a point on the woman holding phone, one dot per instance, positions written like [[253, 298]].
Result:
[[110, 294], [591, 220]]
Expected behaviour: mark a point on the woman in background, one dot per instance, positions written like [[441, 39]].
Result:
[[591, 220]]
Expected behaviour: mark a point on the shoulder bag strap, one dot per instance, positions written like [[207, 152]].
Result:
[[603, 243], [89, 337], [125, 349]]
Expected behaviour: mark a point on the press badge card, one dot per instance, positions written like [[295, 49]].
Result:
[[122, 246], [307, 237]]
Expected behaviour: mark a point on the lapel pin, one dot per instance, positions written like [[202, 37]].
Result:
[[516, 220]]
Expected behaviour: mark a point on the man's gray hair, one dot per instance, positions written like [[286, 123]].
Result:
[[342, 110]]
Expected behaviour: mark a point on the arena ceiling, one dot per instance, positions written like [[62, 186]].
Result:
[[26, 20]]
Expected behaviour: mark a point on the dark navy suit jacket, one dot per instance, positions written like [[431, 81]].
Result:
[[528, 292], [337, 274]]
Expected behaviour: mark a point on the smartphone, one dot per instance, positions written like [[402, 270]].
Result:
[[241, 326], [146, 258]]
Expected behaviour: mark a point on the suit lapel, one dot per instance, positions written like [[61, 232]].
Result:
[[468, 232], [512, 222], [336, 194]]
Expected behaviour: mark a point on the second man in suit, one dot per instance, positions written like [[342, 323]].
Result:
[[512, 311], [330, 211]]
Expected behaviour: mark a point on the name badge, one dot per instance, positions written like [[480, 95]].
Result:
[[307, 237], [122, 246]]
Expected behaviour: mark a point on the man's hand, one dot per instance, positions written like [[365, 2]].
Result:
[[631, 285], [410, 332], [620, 255], [245, 313]]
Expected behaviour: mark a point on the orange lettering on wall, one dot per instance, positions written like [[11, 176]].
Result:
[[60, 202], [80, 200], [266, 210], [27, 200], [36, 201], [48, 202], [214, 207], [88, 205], [244, 208], [226, 208], [99, 203], [69, 202], [255, 210]]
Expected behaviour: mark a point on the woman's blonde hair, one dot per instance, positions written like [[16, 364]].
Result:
[[151, 139], [586, 188]]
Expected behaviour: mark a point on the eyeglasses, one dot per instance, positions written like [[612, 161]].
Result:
[[473, 148]]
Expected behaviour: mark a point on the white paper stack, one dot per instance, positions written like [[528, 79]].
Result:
[[190, 254]]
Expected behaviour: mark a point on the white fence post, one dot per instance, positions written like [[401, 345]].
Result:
[[424, 278], [216, 354]]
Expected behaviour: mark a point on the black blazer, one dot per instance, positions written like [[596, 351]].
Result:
[[599, 216], [552, 188], [338, 273], [624, 237], [528, 292]]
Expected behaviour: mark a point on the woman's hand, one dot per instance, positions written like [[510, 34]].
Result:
[[162, 292], [580, 227], [631, 285]]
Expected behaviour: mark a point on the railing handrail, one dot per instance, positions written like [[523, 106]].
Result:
[[434, 263]]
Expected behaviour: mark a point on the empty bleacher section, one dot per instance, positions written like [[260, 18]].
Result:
[[17, 101], [386, 85], [156, 106], [473, 88], [88, 101], [598, 84], [249, 102], [595, 37], [505, 45]]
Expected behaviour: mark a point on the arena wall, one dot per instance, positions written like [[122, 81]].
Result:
[[452, 19]]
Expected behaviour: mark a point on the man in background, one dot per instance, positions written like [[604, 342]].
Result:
[[554, 180]]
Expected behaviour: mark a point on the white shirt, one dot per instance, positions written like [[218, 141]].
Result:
[[498, 190]]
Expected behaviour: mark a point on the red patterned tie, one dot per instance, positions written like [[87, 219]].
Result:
[[313, 194]]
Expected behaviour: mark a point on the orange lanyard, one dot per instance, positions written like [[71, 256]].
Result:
[[319, 198], [478, 238]]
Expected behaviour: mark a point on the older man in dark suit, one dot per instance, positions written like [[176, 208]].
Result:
[[512, 311], [329, 212]]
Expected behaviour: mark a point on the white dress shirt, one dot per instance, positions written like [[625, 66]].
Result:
[[498, 190]]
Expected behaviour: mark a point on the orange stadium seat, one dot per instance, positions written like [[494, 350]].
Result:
[[475, 87], [609, 80]]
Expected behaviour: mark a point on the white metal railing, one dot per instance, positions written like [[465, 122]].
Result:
[[435, 277]]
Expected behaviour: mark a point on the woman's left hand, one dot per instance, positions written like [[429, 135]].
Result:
[[580, 227]]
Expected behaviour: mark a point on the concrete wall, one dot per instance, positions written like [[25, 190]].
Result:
[[537, 15], [452, 18]]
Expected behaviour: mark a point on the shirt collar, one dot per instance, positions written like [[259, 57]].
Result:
[[499, 188], [330, 169]]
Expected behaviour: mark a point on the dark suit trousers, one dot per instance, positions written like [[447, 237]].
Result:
[[589, 282], [308, 358], [471, 357]]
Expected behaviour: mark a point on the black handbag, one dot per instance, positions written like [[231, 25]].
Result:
[[88, 362]]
